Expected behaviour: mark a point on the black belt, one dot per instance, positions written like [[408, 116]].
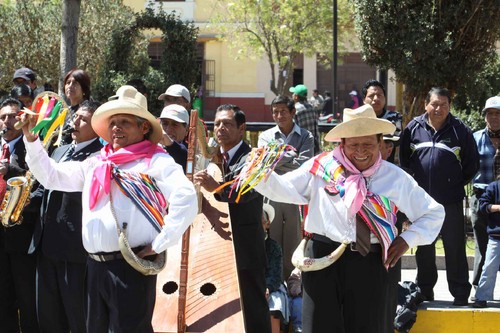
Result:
[[352, 246], [109, 256], [106, 256]]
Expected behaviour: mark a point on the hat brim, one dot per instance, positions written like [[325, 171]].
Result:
[[177, 119], [100, 119], [360, 127]]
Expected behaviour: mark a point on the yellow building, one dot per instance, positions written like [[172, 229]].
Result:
[[246, 82]]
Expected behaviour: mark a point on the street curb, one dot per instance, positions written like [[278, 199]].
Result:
[[408, 262]]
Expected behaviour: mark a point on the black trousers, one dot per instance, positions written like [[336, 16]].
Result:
[[60, 295], [119, 298], [457, 270], [355, 294], [253, 300]]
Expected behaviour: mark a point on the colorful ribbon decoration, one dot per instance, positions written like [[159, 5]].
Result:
[[51, 113], [262, 162], [144, 193]]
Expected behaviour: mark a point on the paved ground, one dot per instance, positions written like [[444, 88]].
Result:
[[442, 296]]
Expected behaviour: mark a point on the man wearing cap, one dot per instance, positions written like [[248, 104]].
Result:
[[352, 196], [305, 116], [26, 76], [176, 94], [129, 168], [174, 120], [439, 151], [488, 141]]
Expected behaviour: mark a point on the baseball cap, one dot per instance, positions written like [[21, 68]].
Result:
[[176, 90], [492, 103], [353, 93], [25, 74], [299, 89], [175, 112]]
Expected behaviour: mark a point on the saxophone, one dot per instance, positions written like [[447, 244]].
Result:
[[16, 198]]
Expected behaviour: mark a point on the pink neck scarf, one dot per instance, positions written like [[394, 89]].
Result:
[[101, 178], [355, 184]]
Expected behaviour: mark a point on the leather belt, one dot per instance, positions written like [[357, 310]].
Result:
[[109, 256], [376, 248], [106, 256]]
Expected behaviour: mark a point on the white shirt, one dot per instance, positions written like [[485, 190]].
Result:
[[327, 214], [99, 230]]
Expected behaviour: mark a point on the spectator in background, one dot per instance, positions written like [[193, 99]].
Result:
[[24, 94], [316, 101], [489, 205], [294, 285], [354, 102], [27, 76], [488, 141], [76, 90], [286, 230], [305, 116], [328, 105], [374, 95], [276, 293], [174, 121], [440, 151], [176, 94]]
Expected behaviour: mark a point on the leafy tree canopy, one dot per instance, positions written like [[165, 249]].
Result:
[[31, 32], [112, 46], [449, 43], [280, 30]]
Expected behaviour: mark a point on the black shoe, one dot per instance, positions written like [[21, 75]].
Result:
[[480, 304], [428, 298], [460, 302]]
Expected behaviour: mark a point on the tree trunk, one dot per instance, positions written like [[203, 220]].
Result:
[[69, 38]]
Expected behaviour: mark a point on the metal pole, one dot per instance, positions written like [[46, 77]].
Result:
[[334, 71]]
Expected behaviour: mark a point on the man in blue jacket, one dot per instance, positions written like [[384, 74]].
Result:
[[440, 151]]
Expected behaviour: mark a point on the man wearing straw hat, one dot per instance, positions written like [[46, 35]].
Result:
[[353, 196], [126, 189]]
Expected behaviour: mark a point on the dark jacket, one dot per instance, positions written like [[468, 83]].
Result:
[[441, 162], [246, 218], [17, 239], [491, 196], [59, 231], [179, 153]]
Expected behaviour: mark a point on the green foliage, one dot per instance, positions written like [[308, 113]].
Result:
[[30, 35], [280, 30], [111, 45], [179, 58], [449, 43], [475, 120]]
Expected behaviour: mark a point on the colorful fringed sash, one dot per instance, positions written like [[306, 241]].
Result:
[[144, 193], [377, 211]]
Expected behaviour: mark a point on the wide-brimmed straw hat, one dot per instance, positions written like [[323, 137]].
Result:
[[126, 101], [360, 122]]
